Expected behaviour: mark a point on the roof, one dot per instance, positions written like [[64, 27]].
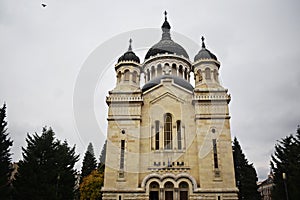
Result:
[[177, 80]]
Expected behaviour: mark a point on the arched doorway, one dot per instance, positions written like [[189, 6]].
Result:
[[169, 191], [154, 191], [183, 191]]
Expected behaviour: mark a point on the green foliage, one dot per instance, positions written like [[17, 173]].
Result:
[[5, 156], [90, 188], [47, 169], [89, 162], [245, 174], [286, 159]]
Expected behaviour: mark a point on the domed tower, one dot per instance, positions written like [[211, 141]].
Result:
[[206, 68], [128, 70], [166, 58]]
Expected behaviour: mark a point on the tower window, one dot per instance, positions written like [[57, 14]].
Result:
[[200, 75], [122, 154], [168, 131], [148, 75], [119, 77], [179, 140], [156, 135], [159, 70], [216, 164], [126, 75], [134, 76], [152, 72], [207, 74], [216, 75]]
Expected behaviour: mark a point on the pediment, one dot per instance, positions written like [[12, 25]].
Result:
[[167, 95]]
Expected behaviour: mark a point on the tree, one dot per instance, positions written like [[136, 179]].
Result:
[[286, 159], [90, 188], [89, 162], [245, 174], [47, 169], [5, 156], [101, 165]]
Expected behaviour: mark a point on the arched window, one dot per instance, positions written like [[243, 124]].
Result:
[[215, 151], [207, 74], [119, 77], [179, 139], [180, 71], [200, 78], [174, 70], [157, 135], [168, 131], [148, 75], [126, 75], [216, 75], [185, 74], [159, 70], [134, 76], [152, 72]]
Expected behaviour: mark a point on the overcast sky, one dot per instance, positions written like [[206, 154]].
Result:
[[43, 50]]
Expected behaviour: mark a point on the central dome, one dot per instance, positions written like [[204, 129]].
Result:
[[166, 44]]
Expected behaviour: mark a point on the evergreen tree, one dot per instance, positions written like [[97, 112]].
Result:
[[245, 174], [47, 169], [89, 162], [101, 165], [5, 156], [286, 159]]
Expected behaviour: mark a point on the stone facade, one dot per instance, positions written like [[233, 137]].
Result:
[[168, 140]]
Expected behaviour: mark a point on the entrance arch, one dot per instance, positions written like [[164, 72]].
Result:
[[169, 186]]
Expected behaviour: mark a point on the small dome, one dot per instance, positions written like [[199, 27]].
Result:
[[129, 55], [204, 53], [177, 80], [166, 44]]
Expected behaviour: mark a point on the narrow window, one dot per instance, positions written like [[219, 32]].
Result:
[[152, 72], [148, 75], [179, 141], [126, 74], [122, 154], [216, 75], [168, 131], [119, 77], [207, 74], [185, 74], [174, 70], [159, 70], [200, 78], [134, 76], [156, 135], [216, 164]]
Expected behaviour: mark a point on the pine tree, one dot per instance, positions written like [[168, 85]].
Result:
[[101, 165], [245, 174], [89, 162], [5, 156], [286, 159], [47, 169]]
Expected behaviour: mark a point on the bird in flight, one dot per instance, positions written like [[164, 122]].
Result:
[[44, 5]]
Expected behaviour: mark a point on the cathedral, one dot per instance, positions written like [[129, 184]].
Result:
[[168, 139]]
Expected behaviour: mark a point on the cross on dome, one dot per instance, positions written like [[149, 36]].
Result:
[[203, 44], [130, 42]]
